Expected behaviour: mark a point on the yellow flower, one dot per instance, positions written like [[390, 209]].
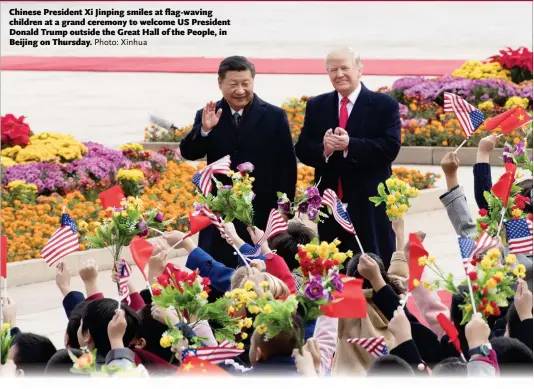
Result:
[[254, 309], [391, 199], [486, 106], [311, 248], [5, 327], [14, 184], [389, 182], [350, 254], [82, 225], [244, 335], [488, 309], [117, 214], [227, 295], [468, 308], [516, 212], [252, 295], [521, 268], [203, 295], [486, 263], [124, 214], [249, 285], [132, 146], [262, 330], [230, 173], [166, 341], [431, 260], [507, 269], [265, 284], [267, 308], [403, 207], [515, 101], [491, 284], [240, 324], [422, 261], [231, 309], [431, 288], [130, 174], [511, 259], [416, 283], [425, 284], [248, 322]]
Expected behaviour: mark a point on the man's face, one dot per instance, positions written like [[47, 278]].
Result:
[[237, 88], [344, 75]]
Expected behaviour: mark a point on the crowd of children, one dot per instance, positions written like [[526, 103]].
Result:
[[129, 340]]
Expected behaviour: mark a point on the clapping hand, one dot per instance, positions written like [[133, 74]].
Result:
[[210, 118], [339, 140]]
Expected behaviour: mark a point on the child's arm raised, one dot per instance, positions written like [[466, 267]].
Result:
[[482, 169]]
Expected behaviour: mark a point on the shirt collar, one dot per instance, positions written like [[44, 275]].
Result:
[[353, 96], [240, 112]]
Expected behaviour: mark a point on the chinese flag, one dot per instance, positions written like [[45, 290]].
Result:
[[451, 330], [112, 197], [141, 251], [349, 304], [196, 366], [3, 260], [416, 251], [503, 187], [510, 167], [198, 223], [509, 120]]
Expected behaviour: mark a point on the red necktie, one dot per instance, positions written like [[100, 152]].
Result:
[[343, 119]]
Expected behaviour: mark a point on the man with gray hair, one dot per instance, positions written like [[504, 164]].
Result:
[[351, 136]]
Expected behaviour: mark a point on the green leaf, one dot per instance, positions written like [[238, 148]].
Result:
[[376, 200], [381, 190]]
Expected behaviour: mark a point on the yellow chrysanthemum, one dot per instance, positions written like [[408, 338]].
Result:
[[249, 285], [486, 263], [244, 335], [262, 330], [516, 101], [248, 322], [511, 259], [265, 284], [166, 341], [516, 213], [416, 283], [491, 284], [203, 295], [267, 308], [240, 346], [422, 261]]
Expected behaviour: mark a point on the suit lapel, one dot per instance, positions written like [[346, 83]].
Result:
[[359, 112], [226, 114], [250, 119], [333, 111]]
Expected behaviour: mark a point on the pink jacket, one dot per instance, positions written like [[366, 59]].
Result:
[[430, 306]]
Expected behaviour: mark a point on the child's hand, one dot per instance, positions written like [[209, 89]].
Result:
[[450, 163], [477, 331], [173, 237], [89, 271], [400, 326], [156, 265], [63, 278], [117, 329], [9, 311], [313, 348], [523, 300], [256, 234], [229, 228], [398, 226], [487, 144], [368, 268], [258, 264], [421, 235], [161, 314], [304, 363]]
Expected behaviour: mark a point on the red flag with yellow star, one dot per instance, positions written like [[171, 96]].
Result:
[[509, 120], [192, 365]]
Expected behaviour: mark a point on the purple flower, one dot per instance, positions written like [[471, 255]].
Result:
[[519, 149], [48, 177], [336, 281], [312, 213], [312, 191], [407, 82], [284, 207], [143, 228], [314, 289], [315, 201], [403, 110], [159, 218], [303, 207], [245, 167]]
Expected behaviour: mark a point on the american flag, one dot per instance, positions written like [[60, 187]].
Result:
[[469, 117], [375, 346], [202, 179], [124, 274], [484, 243], [225, 350], [519, 234], [466, 248], [63, 242], [275, 225], [338, 210]]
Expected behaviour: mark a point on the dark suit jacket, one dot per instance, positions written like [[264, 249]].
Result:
[[374, 129], [264, 139]]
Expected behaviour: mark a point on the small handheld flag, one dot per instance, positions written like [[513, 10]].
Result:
[[219, 353], [466, 248], [63, 242], [519, 235], [124, 273], [469, 117], [349, 303], [141, 251], [112, 197], [375, 346], [484, 243], [451, 331], [195, 366], [416, 271], [503, 187], [202, 179], [509, 120], [275, 225]]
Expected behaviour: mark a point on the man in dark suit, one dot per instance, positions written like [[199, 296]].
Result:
[[351, 136], [247, 129]]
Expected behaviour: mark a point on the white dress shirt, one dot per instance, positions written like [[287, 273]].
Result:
[[204, 133], [352, 100]]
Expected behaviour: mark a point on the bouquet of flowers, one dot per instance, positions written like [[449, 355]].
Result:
[[275, 316], [86, 365], [517, 155], [491, 283], [129, 220], [320, 264], [307, 202], [188, 294], [5, 342], [234, 201], [396, 198]]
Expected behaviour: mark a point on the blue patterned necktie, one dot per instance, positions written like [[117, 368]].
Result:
[[237, 118]]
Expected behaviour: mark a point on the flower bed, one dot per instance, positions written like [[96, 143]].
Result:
[[493, 86]]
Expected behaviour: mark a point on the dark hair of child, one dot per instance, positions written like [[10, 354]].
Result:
[[60, 363], [286, 244], [75, 320], [390, 365], [32, 352]]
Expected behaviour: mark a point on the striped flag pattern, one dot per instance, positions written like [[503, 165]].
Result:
[[124, 274], [225, 350], [375, 346], [215, 220], [484, 243], [62, 243], [519, 234], [466, 248], [469, 117], [275, 225], [338, 210], [202, 179]]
